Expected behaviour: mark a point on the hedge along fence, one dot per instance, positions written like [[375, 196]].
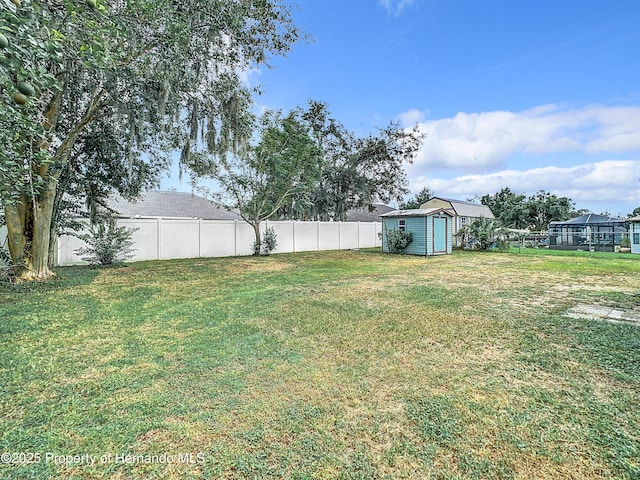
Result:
[[169, 238]]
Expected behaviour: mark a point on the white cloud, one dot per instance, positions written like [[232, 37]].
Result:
[[480, 142], [612, 184], [412, 117], [395, 7]]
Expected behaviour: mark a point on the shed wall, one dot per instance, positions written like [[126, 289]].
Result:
[[422, 230], [416, 225]]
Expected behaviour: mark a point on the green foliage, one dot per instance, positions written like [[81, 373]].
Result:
[[535, 212], [423, 196], [267, 244], [625, 242], [484, 234], [107, 243], [398, 240], [357, 171], [307, 166], [509, 208], [278, 170], [7, 269], [132, 71], [269, 240]]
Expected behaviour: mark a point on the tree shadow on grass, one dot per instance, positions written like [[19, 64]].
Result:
[[66, 277]]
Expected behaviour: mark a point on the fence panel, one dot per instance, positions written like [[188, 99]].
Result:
[[306, 236], [349, 236], [244, 238], [284, 235], [368, 235], [328, 236], [166, 238], [179, 238], [217, 238], [145, 239]]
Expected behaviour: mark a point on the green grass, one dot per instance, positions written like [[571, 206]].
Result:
[[349, 365]]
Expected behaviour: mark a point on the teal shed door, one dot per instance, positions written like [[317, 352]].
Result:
[[439, 235]]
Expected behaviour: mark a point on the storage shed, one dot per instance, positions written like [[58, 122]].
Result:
[[431, 229]]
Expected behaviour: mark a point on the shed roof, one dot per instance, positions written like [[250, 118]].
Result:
[[171, 204], [416, 212], [590, 219], [463, 208]]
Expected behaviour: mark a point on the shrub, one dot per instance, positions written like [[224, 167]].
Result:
[[484, 234], [625, 242], [7, 270], [107, 243], [268, 243], [398, 240]]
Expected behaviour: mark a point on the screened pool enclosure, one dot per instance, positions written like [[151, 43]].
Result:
[[589, 232]]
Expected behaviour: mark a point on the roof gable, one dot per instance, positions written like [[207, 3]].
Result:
[[417, 212], [171, 204], [460, 207]]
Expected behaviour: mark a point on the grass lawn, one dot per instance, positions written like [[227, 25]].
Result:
[[349, 365]]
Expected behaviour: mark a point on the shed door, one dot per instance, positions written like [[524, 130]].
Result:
[[439, 235]]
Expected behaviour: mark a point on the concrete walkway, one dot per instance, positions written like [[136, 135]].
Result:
[[596, 312]]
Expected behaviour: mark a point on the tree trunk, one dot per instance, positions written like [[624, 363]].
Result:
[[43, 209], [28, 228], [256, 231], [29, 222]]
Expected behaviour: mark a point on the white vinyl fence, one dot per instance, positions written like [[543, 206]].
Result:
[[167, 238]]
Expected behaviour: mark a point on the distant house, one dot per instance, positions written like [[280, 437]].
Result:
[[431, 229], [588, 232], [463, 212], [364, 215], [171, 204]]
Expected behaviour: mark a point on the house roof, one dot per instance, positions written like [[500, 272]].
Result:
[[590, 219], [171, 204], [463, 209], [416, 212], [364, 215]]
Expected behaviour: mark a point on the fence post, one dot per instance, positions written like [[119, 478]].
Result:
[[199, 238], [159, 239]]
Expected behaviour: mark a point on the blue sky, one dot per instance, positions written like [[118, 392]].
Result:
[[529, 95]]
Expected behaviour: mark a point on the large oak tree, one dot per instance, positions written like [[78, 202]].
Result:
[[357, 171], [165, 73]]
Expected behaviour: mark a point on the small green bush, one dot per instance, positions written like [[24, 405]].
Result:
[[398, 240], [625, 242], [107, 243], [268, 243]]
